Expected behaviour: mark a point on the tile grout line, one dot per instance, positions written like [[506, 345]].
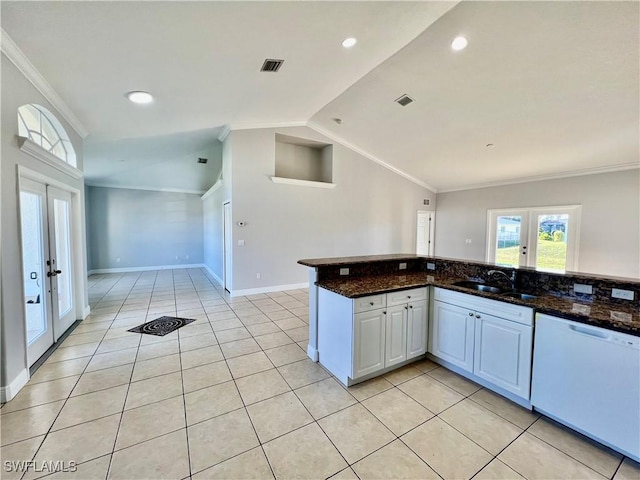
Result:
[[124, 404], [46, 435]]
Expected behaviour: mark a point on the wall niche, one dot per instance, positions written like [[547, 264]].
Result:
[[303, 162]]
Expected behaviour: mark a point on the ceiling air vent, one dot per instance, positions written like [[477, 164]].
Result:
[[202, 160], [404, 100], [271, 65]]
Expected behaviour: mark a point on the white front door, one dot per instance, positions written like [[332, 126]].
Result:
[[47, 262], [61, 257]]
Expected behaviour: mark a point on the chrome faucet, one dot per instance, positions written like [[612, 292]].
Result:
[[511, 279]]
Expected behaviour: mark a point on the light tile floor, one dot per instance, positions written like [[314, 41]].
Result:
[[233, 395]]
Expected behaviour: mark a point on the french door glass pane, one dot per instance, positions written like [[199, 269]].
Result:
[[33, 264], [63, 255], [508, 240], [552, 242]]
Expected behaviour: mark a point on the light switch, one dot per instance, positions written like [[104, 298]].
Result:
[[241, 243]]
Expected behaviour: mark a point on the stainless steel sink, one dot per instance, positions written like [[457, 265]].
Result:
[[520, 295], [481, 287]]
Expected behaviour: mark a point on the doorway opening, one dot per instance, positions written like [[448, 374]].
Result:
[[425, 236], [544, 238], [227, 248]]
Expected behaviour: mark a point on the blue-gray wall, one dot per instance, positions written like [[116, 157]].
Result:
[[143, 228]]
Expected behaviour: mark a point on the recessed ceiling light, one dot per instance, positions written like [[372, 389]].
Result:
[[349, 42], [140, 97], [459, 43], [337, 120]]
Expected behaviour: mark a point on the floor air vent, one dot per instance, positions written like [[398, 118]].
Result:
[[271, 65], [404, 100]]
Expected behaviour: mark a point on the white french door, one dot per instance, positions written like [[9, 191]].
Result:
[[545, 238], [45, 217]]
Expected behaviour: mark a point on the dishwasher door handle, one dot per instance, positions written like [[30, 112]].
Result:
[[587, 331]]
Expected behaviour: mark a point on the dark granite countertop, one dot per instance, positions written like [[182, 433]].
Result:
[[335, 261], [612, 316]]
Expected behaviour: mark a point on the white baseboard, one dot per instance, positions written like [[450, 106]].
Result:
[[10, 391], [213, 275], [144, 269], [274, 288], [312, 353], [86, 312]]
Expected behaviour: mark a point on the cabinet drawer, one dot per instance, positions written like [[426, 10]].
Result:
[[372, 302], [405, 296]]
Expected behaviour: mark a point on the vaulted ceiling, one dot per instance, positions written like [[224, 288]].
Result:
[[553, 86]]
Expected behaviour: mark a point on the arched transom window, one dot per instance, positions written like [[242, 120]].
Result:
[[41, 127]]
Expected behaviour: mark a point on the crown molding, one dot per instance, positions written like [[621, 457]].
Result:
[[550, 176], [252, 126], [216, 186], [228, 128], [370, 156], [22, 63], [148, 189], [224, 132]]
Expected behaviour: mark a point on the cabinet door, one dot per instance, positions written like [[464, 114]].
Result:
[[417, 329], [396, 335], [503, 353], [368, 342], [453, 330]]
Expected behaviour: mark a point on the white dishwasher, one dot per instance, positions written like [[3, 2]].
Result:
[[588, 378]]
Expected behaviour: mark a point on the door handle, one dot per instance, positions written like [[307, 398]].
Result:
[[54, 273], [586, 331]]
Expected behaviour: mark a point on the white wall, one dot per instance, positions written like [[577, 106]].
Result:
[[610, 231], [17, 91], [370, 211], [143, 228]]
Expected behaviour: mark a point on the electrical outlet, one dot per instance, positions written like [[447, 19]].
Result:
[[580, 288], [241, 243], [344, 271], [258, 276], [623, 294], [467, 241], [431, 266], [187, 257], [118, 260], [402, 266]]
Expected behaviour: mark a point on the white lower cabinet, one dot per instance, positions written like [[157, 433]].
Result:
[[369, 342], [452, 334], [417, 329], [486, 340], [359, 338], [503, 354], [396, 335]]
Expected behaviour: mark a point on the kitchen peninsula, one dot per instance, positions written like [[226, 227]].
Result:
[[500, 327]]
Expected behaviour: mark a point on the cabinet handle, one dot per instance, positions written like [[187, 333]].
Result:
[[410, 306], [384, 313], [477, 316], [408, 296], [471, 314], [371, 303], [405, 308]]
